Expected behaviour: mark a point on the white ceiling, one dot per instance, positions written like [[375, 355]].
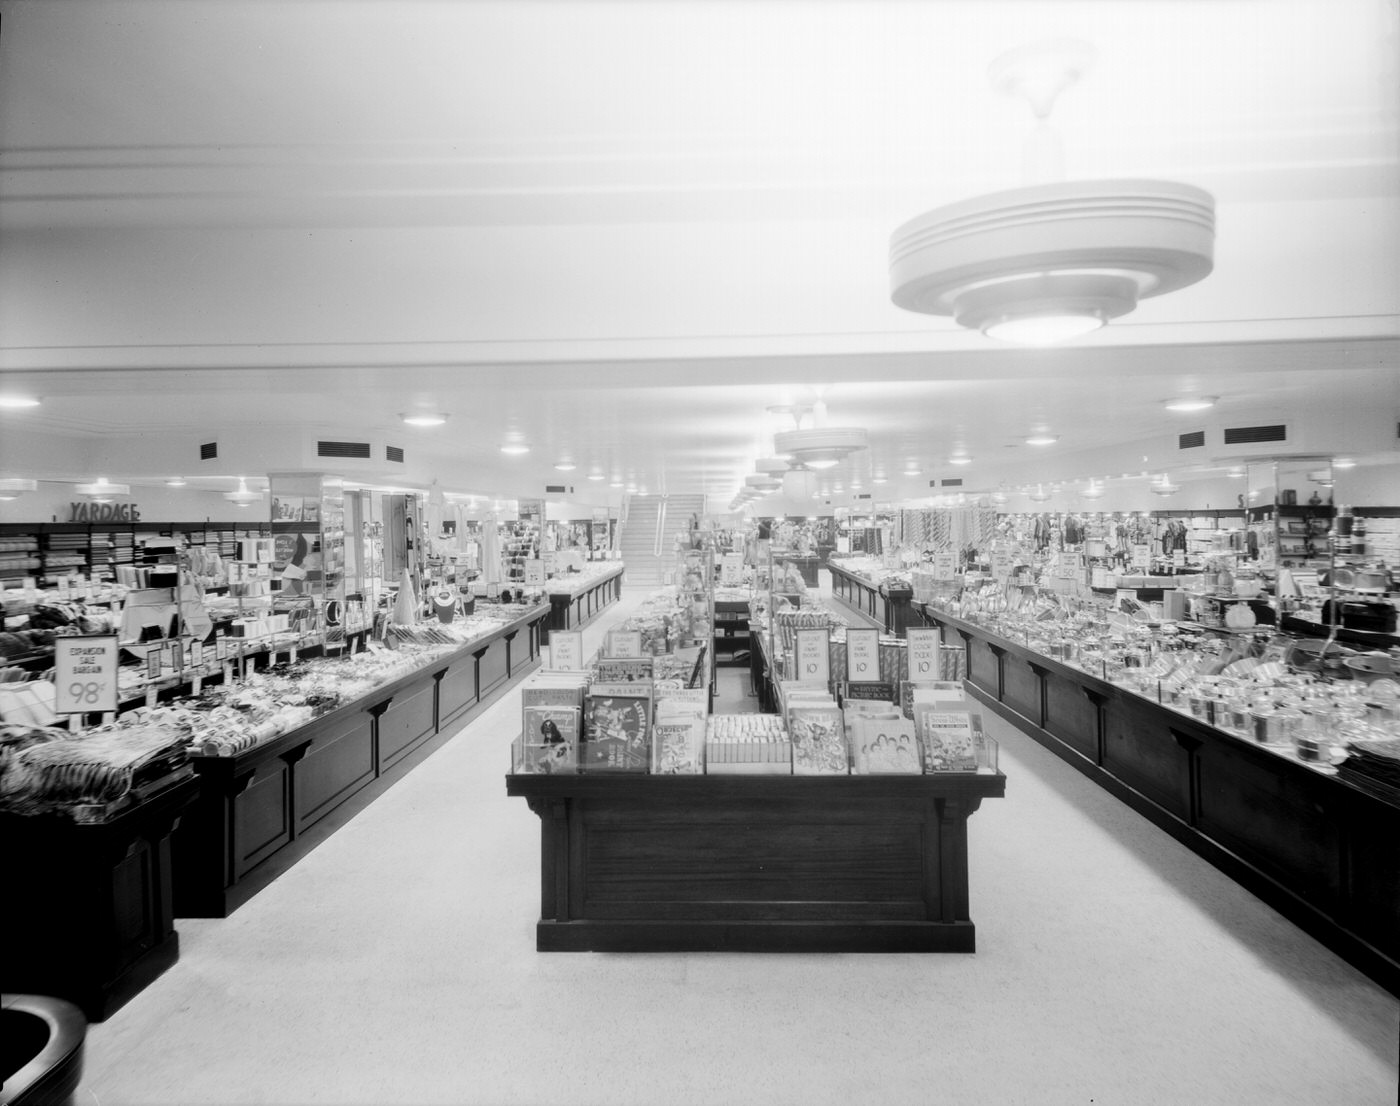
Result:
[[621, 230]]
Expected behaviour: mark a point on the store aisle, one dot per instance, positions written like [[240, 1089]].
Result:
[[396, 964]]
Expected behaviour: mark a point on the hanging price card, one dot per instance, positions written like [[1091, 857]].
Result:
[[945, 566], [196, 654], [923, 644], [1002, 563], [153, 664], [814, 656], [566, 650], [85, 674], [863, 656], [177, 656]]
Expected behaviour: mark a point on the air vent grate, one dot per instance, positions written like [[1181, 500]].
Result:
[[343, 449], [393, 453], [863, 495], [1191, 440], [953, 482], [208, 451], [1248, 435], [554, 489]]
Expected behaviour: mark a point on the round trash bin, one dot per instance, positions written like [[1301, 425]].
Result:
[[41, 1050]]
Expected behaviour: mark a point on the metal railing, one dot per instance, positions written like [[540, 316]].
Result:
[[660, 527]]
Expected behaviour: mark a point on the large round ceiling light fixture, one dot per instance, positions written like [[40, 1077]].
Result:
[[823, 447], [101, 491], [1057, 259], [243, 496]]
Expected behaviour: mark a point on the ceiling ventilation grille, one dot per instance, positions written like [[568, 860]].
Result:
[[343, 449], [1191, 440], [863, 495], [1248, 435], [208, 451], [393, 453], [953, 482]]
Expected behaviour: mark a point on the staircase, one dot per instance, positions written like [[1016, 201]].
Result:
[[638, 540]]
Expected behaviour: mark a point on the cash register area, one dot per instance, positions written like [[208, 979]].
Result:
[[396, 964]]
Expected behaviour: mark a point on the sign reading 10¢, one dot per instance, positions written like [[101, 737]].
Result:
[[85, 674]]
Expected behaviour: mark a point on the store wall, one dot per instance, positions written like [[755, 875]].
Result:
[[1367, 486], [54, 502]]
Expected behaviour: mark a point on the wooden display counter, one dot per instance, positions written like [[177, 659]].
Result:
[[754, 863], [88, 913], [1322, 849], [573, 610], [257, 813], [889, 608]]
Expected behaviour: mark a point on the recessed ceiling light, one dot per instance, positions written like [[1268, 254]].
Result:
[[1042, 439], [566, 466], [960, 460], [615, 484], [424, 419], [1343, 463], [175, 482], [514, 449], [878, 480], [595, 476], [1190, 403], [11, 399]]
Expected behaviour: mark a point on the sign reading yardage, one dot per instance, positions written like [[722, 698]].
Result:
[[924, 662], [814, 656], [863, 656], [85, 674], [566, 650]]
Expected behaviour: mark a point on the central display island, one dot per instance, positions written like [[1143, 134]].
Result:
[[641, 863]]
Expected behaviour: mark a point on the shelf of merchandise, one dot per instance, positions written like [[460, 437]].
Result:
[[575, 608], [95, 549], [89, 915], [732, 646], [640, 863], [1317, 847], [258, 812]]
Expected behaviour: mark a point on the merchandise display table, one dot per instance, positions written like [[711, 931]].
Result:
[[1322, 849], [885, 605], [258, 812], [638, 863], [88, 907], [573, 603]]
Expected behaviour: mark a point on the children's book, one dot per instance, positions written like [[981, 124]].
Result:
[[616, 733], [551, 740], [818, 741]]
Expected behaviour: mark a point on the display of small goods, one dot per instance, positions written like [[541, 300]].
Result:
[[747, 744], [91, 776], [1310, 700]]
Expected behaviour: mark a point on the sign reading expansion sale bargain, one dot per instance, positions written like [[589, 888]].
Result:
[[85, 674]]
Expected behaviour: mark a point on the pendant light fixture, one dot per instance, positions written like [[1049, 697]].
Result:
[[816, 447], [243, 496], [1056, 259], [101, 491]]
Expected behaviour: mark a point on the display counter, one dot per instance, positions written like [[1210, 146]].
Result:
[[575, 601], [887, 604], [1322, 849], [88, 914], [259, 811], [639, 863]]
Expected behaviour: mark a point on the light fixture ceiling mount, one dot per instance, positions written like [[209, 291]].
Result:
[[822, 447]]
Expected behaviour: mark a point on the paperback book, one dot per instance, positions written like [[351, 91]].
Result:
[[950, 738], [887, 745]]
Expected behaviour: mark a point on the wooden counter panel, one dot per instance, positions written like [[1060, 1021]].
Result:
[[1072, 716], [1372, 863], [1139, 750], [1280, 824], [1021, 687], [338, 762], [457, 691], [262, 815], [494, 667], [411, 717], [984, 667]]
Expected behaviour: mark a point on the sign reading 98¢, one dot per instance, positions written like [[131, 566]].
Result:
[[85, 674]]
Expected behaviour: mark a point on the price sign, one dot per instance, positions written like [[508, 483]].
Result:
[[863, 656], [1142, 556], [1003, 563], [624, 643], [1071, 566], [814, 656], [551, 563], [534, 573], [153, 664], [566, 650], [945, 566], [196, 654], [923, 644], [85, 674], [731, 570]]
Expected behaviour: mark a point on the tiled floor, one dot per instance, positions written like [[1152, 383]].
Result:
[[396, 964]]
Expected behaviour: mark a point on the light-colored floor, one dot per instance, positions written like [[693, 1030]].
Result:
[[396, 964]]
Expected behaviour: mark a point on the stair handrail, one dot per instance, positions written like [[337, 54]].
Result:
[[660, 528]]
